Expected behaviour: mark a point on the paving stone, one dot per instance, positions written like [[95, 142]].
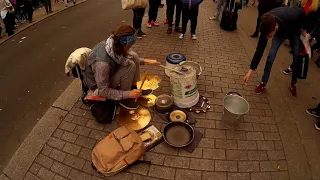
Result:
[[238, 176], [276, 155], [248, 166], [214, 153], [77, 112], [164, 148], [57, 177], [282, 165], [34, 168], [269, 166], [221, 125], [80, 120], [84, 131], [61, 169], [121, 176], [44, 161], [30, 176], [98, 135], [68, 118], [68, 136], [141, 169], [273, 128], [197, 153], [162, 172], [56, 143], [155, 158], [95, 125], [260, 176], [236, 155], [85, 142], [265, 145], [202, 164], [212, 115], [226, 144], [282, 175], [97, 178], [257, 155], [74, 161], [71, 148], [67, 126], [46, 150], [217, 176], [278, 145], [261, 127], [267, 120], [244, 127], [206, 143], [78, 175], [85, 154], [214, 133], [182, 174], [247, 145], [255, 136], [271, 136], [45, 174], [226, 166], [237, 135], [139, 177], [205, 123], [57, 155], [58, 133], [87, 168], [175, 161]]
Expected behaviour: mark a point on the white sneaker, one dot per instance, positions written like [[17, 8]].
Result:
[[181, 36], [194, 37], [214, 18]]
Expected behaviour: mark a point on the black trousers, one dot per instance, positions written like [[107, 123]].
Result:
[[47, 4], [192, 15], [261, 11], [137, 18], [171, 4], [153, 9], [28, 10], [9, 23]]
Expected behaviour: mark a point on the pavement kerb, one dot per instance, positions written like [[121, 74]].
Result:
[[36, 22], [34, 142]]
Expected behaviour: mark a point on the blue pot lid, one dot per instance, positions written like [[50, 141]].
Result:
[[176, 58]]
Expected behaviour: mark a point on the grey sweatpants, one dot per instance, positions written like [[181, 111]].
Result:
[[219, 4], [129, 75]]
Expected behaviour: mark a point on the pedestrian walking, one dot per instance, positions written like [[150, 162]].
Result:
[[153, 13], [66, 2], [27, 8], [279, 24], [6, 13], [265, 6], [47, 5], [316, 113], [138, 14], [171, 5], [190, 10], [218, 10]]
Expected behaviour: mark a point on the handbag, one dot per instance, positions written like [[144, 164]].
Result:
[[133, 4], [302, 67]]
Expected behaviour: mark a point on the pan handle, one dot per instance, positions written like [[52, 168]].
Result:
[[234, 93]]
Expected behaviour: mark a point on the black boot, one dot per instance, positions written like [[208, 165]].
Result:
[[254, 35]]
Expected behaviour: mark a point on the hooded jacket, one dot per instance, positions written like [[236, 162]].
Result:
[[191, 3]]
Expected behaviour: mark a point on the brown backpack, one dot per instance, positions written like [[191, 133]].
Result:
[[118, 150]]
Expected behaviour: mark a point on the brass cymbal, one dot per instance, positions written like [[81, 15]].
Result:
[[152, 82], [148, 101], [135, 119]]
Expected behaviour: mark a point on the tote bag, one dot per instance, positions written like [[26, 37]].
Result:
[[133, 4]]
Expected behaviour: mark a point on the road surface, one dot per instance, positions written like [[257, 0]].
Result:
[[32, 65]]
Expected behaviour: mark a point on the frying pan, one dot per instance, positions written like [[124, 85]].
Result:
[[178, 134]]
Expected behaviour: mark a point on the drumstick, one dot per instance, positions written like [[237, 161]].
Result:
[[145, 78], [166, 67]]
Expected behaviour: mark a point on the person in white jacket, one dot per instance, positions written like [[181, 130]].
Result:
[[7, 16]]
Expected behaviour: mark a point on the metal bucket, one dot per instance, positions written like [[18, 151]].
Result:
[[234, 107]]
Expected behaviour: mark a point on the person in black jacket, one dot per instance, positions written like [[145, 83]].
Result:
[[265, 6], [27, 8], [279, 24], [316, 113]]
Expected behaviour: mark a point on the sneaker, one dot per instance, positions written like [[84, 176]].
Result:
[[287, 71], [293, 91], [260, 88], [313, 112], [177, 29], [169, 31], [155, 23], [165, 21], [130, 104], [146, 92], [181, 36], [317, 125], [141, 34], [214, 18], [254, 35], [194, 37], [149, 25]]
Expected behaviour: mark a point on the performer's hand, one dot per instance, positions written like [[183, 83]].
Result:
[[151, 62], [247, 76], [135, 93], [304, 33]]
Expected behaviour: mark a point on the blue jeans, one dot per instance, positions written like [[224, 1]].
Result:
[[276, 43]]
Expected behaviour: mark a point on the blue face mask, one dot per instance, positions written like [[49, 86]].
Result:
[[128, 40]]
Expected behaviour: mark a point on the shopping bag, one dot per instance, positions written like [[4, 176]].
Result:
[[133, 4], [302, 66]]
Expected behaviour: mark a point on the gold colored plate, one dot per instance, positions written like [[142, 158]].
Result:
[[135, 119], [152, 82], [178, 116], [148, 101]]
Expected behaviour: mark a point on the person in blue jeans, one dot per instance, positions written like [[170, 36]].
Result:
[[279, 24]]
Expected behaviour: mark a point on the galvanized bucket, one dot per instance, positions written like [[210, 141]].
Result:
[[234, 107]]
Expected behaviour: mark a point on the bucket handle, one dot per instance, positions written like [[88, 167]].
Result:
[[200, 68], [234, 93]]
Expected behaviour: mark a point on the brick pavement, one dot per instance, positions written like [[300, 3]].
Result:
[[253, 150]]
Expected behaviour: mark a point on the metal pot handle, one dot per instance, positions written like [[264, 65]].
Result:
[[200, 68], [234, 93]]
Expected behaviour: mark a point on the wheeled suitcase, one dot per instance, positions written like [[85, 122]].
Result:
[[229, 19]]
